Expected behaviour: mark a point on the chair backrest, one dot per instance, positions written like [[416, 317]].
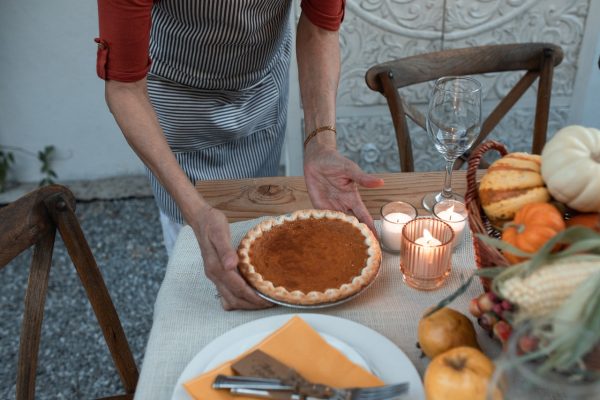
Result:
[[538, 59], [32, 221]]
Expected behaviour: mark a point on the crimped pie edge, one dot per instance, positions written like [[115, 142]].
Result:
[[280, 293]]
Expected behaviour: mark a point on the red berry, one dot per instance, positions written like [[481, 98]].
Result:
[[498, 309], [485, 303], [474, 308], [506, 305], [487, 320], [527, 344], [492, 296], [502, 331]]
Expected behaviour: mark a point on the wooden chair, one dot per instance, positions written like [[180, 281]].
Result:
[[538, 59], [32, 221]]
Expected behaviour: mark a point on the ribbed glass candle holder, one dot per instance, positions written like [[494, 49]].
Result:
[[426, 253]]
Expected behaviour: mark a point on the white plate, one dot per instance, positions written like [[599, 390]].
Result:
[[361, 344]]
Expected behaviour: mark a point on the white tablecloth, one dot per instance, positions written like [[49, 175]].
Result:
[[187, 314]]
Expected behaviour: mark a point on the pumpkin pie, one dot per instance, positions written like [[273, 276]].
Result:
[[309, 257]]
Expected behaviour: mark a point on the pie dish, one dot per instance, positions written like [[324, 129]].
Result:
[[309, 257]]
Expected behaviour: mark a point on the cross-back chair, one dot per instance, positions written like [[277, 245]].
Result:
[[538, 59], [32, 221]]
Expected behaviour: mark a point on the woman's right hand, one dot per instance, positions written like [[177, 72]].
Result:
[[220, 261]]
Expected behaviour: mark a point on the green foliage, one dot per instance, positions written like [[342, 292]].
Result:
[[45, 157], [6, 160]]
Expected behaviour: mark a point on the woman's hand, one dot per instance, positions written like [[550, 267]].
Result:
[[220, 261], [332, 181]]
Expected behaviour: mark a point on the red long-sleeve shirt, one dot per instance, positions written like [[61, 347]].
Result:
[[123, 45]]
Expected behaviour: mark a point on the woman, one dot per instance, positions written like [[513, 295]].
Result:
[[199, 89]]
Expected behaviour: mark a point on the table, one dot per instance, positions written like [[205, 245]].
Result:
[[188, 316], [242, 199]]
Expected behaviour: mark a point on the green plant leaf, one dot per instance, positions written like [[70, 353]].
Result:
[[502, 245], [444, 302]]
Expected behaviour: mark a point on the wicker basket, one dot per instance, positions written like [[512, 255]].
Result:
[[485, 255]]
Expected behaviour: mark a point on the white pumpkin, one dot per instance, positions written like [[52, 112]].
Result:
[[571, 167]]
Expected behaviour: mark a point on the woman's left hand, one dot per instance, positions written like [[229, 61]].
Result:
[[332, 181]]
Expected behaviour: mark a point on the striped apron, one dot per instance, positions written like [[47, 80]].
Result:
[[219, 85]]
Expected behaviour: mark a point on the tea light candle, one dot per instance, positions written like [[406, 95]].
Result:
[[427, 239], [454, 213], [426, 253], [394, 216]]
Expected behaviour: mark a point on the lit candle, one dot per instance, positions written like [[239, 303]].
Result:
[[426, 252], [391, 229], [394, 216], [427, 239], [454, 214]]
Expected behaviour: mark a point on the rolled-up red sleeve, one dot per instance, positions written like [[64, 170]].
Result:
[[123, 45], [326, 14]]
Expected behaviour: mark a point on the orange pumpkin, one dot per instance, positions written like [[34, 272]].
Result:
[[591, 220], [534, 224]]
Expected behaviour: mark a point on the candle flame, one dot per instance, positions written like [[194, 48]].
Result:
[[427, 239], [427, 235]]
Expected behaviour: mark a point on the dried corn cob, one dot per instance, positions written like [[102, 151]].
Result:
[[545, 289]]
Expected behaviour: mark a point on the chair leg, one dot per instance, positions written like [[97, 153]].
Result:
[[121, 397], [35, 298], [97, 293]]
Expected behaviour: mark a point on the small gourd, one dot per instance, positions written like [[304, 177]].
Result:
[[509, 184], [571, 167], [533, 226]]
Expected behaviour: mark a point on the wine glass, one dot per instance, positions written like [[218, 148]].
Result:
[[453, 123]]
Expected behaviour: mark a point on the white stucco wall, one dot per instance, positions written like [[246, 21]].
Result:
[[50, 95]]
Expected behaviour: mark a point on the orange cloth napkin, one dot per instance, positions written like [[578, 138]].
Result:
[[299, 346]]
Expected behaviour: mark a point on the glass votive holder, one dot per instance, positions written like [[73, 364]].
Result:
[[455, 214], [426, 253], [394, 216]]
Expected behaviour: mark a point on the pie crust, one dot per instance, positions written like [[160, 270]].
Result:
[[309, 257]]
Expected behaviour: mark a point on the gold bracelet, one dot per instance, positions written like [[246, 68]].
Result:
[[316, 131]]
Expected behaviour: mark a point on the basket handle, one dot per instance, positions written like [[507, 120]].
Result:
[[474, 160]]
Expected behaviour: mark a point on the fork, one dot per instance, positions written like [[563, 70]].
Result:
[[370, 393]]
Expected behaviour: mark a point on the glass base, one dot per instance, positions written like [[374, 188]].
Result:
[[388, 250], [431, 199], [424, 283]]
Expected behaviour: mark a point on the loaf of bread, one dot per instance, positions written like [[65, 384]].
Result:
[[509, 184]]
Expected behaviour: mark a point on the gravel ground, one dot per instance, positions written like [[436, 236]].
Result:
[[74, 362]]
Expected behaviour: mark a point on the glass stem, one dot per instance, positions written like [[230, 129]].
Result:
[[447, 191]]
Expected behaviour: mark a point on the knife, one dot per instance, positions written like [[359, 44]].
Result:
[[241, 382], [266, 394], [260, 364]]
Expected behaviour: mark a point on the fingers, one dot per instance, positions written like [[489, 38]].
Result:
[[369, 181], [365, 180], [235, 292], [220, 265], [237, 295], [220, 239], [364, 216]]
